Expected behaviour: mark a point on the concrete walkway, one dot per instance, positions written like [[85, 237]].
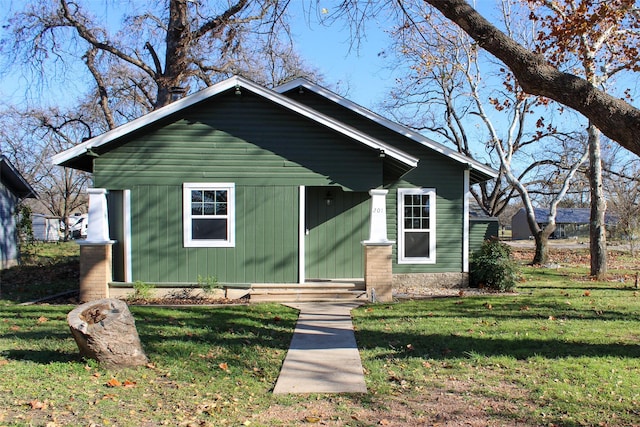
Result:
[[323, 356]]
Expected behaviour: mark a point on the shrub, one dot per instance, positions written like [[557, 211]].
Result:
[[492, 267], [208, 284], [142, 290]]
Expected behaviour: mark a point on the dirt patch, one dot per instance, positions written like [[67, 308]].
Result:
[[457, 403]]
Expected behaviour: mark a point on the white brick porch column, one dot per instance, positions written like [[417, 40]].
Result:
[[95, 250], [378, 261]]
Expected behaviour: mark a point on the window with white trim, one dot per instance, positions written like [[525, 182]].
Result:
[[208, 214], [416, 226]]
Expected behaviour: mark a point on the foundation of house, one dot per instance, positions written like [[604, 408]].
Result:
[[403, 283]]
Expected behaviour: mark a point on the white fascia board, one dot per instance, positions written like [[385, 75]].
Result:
[[217, 88], [402, 130]]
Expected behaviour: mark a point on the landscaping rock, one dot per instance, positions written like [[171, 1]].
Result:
[[105, 330]]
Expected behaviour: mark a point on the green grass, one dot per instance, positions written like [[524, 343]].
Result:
[[564, 351], [46, 269], [571, 348]]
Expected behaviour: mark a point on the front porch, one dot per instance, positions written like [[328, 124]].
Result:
[[312, 291]]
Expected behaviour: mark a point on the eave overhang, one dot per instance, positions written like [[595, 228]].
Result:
[[14, 180]]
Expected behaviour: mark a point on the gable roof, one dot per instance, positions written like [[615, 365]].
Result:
[[10, 176], [479, 171], [79, 155]]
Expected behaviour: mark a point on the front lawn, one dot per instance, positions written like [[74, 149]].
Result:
[[563, 351]]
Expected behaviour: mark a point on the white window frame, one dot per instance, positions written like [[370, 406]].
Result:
[[431, 259], [230, 216]]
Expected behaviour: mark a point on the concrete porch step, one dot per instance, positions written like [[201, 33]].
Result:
[[308, 292]]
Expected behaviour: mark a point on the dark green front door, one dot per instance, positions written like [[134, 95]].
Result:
[[337, 222]]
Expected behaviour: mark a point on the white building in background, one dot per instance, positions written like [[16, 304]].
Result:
[[46, 228]]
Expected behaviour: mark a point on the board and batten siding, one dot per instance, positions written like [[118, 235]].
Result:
[[481, 230], [448, 183], [266, 238], [434, 170], [266, 151]]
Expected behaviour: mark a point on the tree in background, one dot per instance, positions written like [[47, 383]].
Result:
[[615, 117], [30, 139], [597, 40], [624, 202], [450, 90], [159, 51]]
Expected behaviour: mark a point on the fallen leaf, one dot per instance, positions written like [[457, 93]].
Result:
[[426, 364], [552, 318], [312, 420], [410, 347], [37, 404], [224, 366], [128, 384], [113, 382], [14, 327], [384, 422], [42, 319], [587, 293]]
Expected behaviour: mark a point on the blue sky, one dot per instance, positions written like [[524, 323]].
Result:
[[359, 72]]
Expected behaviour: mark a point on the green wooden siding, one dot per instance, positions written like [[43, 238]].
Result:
[[242, 139], [268, 152], [434, 170], [481, 230], [335, 232], [266, 238], [116, 233], [448, 183]]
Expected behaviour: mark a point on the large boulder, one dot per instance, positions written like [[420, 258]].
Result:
[[105, 330]]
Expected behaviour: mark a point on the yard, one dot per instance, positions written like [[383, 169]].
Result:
[[562, 351]]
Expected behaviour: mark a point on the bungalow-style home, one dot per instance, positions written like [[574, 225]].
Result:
[[13, 188], [250, 185], [570, 222]]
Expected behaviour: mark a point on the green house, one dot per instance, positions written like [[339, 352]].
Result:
[[254, 185]]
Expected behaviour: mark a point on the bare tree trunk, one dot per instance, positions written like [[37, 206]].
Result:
[[177, 46], [597, 231], [541, 255]]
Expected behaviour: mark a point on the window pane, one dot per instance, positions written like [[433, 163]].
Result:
[[416, 245], [196, 208], [221, 196], [209, 196], [209, 209], [221, 209], [209, 229], [196, 196]]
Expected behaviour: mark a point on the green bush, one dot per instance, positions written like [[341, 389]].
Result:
[[492, 267], [208, 284], [142, 290]]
